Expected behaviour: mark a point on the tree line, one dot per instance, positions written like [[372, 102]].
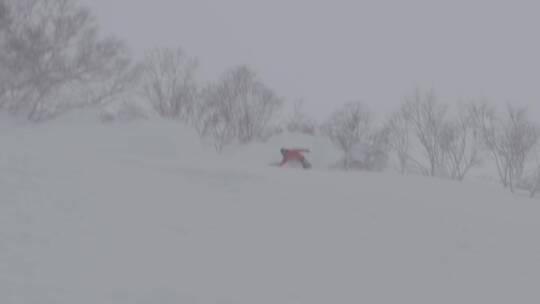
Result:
[[53, 58], [436, 139]]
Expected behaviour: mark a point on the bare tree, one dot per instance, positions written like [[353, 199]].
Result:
[[399, 127], [50, 48], [449, 143], [299, 122], [534, 185], [521, 137], [4, 14], [238, 107], [4, 25], [509, 140], [215, 118], [530, 181], [373, 154], [426, 117], [347, 128], [460, 143], [168, 82]]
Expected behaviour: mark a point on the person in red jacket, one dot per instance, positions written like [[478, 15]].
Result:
[[294, 155]]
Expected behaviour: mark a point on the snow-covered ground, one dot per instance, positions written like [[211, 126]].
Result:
[[144, 213]]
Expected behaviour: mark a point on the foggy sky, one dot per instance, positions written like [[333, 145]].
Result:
[[334, 51]]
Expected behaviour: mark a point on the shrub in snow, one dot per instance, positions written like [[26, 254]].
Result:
[[127, 111], [238, 108], [299, 122], [509, 140], [369, 155], [460, 143], [427, 139], [350, 129], [530, 182], [426, 119], [168, 83]]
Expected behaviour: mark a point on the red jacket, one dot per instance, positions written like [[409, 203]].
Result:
[[293, 155]]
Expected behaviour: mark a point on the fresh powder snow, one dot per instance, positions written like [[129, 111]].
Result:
[[147, 213]]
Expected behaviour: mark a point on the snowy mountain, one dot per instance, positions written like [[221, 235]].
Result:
[[146, 213]]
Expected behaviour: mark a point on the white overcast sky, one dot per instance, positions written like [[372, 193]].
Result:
[[334, 51]]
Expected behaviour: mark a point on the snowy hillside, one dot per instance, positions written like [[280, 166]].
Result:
[[143, 213]]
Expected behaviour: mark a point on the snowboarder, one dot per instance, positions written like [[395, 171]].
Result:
[[294, 155]]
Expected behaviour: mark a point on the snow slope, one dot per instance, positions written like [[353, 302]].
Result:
[[143, 213]]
